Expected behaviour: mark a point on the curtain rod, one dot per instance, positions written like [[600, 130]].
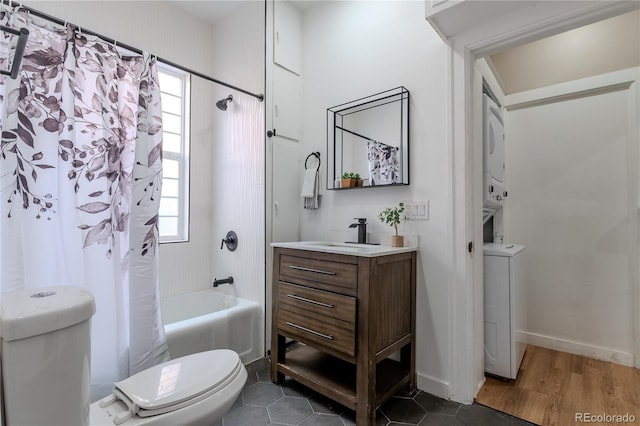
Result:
[[22, 34], [364, 137], [61, 22]]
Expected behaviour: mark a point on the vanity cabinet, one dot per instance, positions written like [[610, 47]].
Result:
[[348, 313]]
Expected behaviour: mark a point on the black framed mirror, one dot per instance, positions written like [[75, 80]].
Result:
[[368, 141]]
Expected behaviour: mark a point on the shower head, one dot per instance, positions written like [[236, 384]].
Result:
[[222, 103]]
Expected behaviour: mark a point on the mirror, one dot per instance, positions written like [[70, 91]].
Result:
[[368, 141]]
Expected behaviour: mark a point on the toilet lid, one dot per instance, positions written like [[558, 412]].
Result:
[[178, 383]]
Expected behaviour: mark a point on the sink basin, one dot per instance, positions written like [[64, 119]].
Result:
[[342, 246], [354, 249]]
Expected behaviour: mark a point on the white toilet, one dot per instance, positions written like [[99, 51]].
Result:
[[46, 351]]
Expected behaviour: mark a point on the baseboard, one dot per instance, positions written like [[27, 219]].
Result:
[[583, 349], [480, 384], [433, 386]]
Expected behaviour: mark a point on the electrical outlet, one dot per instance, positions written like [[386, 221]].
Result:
[[416, 210]]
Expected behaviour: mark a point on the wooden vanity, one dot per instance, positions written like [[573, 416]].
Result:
[[350, 311]]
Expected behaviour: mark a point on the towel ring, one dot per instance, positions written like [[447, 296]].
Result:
[[313, 154]]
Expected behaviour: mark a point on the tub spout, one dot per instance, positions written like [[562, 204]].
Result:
[[217, 282]]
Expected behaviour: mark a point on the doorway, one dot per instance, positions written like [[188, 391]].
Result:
[[572, 178], [466, 292]]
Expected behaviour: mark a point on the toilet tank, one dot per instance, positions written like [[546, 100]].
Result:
[[46, 356]]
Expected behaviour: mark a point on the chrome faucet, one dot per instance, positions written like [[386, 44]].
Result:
[[362, 229]]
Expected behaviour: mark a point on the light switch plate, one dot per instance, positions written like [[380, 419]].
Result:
[[416, 210]]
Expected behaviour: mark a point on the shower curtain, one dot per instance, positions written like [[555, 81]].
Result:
[[384, 165], [81, 169]]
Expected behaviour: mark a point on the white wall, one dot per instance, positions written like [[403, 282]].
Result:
[[157, 26], [571, 169], [355, 49]]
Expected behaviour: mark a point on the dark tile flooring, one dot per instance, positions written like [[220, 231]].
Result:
[[264, 403]]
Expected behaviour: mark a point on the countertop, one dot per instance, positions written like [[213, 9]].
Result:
[[352, 249]]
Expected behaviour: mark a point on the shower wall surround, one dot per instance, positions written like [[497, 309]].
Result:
[[238, 158]]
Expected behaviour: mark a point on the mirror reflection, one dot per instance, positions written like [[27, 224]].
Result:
[[368, 141]]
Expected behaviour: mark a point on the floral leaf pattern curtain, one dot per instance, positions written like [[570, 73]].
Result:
[[81, 172], [384, 164]]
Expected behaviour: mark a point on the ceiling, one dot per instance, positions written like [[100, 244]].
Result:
[[602, 47]]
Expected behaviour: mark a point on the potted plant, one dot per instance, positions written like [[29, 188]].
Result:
[[359, 181], [391, 216], [348, 180]]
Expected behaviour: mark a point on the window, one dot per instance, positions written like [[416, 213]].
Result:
[[174, 201]]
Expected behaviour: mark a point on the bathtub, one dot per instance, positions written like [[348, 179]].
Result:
[[210, 319]]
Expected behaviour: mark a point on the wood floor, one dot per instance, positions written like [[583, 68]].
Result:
[[553, 386]]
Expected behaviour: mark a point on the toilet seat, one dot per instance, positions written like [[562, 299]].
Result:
[[174, 384]]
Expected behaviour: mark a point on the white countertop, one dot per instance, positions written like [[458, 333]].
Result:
[[353, 249]]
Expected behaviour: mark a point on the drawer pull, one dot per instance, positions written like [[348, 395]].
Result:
[[308, 330], [304, 299], [317, 271]]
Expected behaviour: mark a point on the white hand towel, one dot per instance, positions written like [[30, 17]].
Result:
[[309, 183]]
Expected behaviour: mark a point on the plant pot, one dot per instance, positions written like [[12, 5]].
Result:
[[359, 182], [397, 241], [348, 183]]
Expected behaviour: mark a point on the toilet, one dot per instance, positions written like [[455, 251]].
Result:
[[46, 371]]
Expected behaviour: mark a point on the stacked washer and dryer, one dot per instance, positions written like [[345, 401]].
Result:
[[493, 149], [504, 294]]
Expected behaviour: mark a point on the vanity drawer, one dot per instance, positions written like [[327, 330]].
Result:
[[317, 332], [302, 270], [317, 301]]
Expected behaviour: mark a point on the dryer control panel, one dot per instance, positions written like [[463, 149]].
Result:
[[493, 149]]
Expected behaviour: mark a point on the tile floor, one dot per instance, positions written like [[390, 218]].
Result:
[[263, 403]]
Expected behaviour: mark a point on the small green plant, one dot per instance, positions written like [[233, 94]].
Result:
[[391, 216], [350, 175]]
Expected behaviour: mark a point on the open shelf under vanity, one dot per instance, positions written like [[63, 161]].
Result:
[[336, 378]]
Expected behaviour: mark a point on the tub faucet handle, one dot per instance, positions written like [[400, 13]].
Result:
[[231, 240]]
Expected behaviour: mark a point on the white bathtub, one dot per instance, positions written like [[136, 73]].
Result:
[[210, 319]]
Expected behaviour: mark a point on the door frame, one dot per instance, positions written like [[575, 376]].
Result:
[[466, 290]]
